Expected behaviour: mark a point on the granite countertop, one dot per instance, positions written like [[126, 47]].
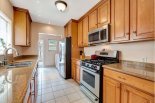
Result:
[[14, 82], [141, 70]]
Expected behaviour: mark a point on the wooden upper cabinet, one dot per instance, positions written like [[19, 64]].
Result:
[[80, 34], [70, 30], [142, 19], [104, 14], [93, 20], [120, 20], [22, 27], [85, 31], [66, 31], [130, 95], [111, 91], [28, 31]]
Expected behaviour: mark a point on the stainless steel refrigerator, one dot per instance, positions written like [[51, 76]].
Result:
[[65, 58]]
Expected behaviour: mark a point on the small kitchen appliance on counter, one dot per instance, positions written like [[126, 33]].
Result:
[[94, 56], [92, 74]]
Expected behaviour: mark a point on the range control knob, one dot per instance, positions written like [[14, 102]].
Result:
[[95, 67], [87, 65], [92, 66]]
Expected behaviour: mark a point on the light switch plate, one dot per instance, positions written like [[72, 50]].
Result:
[[143, 59]]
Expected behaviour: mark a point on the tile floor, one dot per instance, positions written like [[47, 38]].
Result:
[[52, 88]]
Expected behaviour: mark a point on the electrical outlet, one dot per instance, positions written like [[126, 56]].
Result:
[[143, 59]]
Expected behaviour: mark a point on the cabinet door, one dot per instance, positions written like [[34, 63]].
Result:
[[104, 14], [120, 20], [28, 31], [111, 91], [73, 71], [70, 30], [93, 20], [66, 31], [78, 69], [85, 31], [80, 36], [130, 95], [20, 28], [143, 19]]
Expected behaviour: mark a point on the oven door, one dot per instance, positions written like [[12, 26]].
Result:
[[90, 79]]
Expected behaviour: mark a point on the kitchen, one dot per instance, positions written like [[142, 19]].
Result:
[[105, 51]]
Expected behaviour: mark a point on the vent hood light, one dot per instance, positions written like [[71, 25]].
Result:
[[61, 5]]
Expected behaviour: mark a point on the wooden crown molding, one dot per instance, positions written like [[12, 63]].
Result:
[[86, 14], [92, 9], [22, 10], [72, 20]]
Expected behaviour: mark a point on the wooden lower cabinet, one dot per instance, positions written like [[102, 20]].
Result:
[[78, 69], [73, 71], [131, 95], [116, 92], [111, 91]]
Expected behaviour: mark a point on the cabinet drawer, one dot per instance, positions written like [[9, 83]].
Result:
[[76, 62], [142, 84]]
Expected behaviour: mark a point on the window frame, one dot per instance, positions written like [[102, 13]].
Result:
[[56, 46], [10, 27]]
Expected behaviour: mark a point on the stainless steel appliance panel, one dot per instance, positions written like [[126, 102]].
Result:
[[90, 79], [62, 55], [99, 35]]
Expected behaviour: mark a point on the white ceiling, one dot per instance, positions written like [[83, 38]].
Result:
[[49, 13]]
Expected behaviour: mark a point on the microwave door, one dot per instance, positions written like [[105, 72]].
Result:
[[93, 37]]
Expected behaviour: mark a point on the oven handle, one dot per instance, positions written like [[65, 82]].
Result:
[[95, 71], [96, 99]]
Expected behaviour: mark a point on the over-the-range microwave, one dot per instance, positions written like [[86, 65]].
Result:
[[99, 35]]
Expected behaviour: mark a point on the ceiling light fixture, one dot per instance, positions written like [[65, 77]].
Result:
[[37, 1], [61, 5]]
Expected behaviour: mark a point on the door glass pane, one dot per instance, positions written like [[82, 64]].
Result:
[[89, 78], [40, 52]]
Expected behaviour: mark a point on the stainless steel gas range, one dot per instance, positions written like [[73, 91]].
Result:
[[92, 74]]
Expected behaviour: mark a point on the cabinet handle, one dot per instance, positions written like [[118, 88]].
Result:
[[117, 86], [122, 78], [95, 24], [127, 33], [124, 90], [134, 31]]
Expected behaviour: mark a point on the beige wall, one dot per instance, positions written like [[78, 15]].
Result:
[[129, 51], [37, 28], [49, 57], [7, 9]]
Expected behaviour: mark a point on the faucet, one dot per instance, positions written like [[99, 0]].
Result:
[[5, 55]]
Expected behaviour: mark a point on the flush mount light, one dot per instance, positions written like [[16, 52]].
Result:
[[37, 1], [61, 5], [49, 22]]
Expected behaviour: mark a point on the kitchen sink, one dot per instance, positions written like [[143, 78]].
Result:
[[20, 64]]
